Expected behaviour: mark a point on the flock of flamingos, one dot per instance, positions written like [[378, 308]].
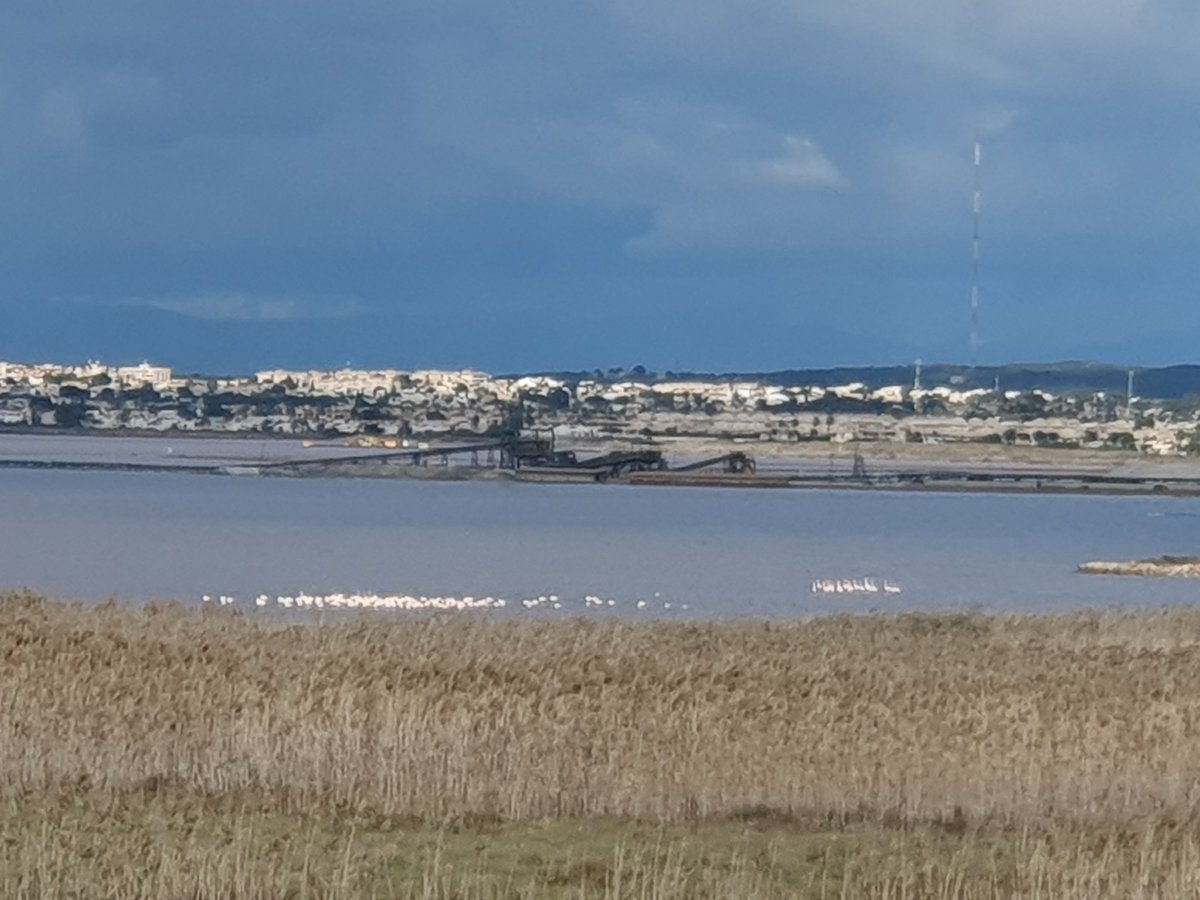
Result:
[[412, 602], [853, 586]]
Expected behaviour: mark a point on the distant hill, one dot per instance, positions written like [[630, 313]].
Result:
[[1167, 382]]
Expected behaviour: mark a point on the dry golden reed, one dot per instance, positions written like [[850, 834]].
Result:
[[1074, 737]]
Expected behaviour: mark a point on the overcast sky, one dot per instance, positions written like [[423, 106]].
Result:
[[746, 184]]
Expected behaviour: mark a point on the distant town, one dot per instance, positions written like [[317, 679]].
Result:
[[388, 407]]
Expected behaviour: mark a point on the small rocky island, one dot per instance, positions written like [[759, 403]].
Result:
[[1172, 566]]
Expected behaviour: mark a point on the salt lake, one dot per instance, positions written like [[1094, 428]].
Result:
[[722, 552]]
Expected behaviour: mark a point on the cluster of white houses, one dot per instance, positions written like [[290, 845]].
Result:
[[462, 403]]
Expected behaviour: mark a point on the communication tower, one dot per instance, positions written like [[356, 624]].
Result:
[[975, 207]]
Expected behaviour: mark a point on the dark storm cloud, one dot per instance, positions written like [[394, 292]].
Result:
[[510, 180]]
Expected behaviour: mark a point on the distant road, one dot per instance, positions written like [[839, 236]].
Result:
[[175, 451]]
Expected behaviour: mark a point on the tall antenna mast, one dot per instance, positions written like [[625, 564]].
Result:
[[975, 206]]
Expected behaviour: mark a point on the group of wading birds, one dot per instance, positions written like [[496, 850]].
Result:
[[410, 602], [853, 586], [304, 601]]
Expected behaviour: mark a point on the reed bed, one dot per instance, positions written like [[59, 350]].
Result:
[[166, 752]]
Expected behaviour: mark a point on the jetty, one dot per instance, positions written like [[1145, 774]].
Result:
[[534, 456]]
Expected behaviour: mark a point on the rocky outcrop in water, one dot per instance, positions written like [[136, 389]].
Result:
[[1170, 566]]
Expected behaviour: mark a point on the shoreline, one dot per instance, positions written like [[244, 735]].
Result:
[[854, 466], [1043, 482]]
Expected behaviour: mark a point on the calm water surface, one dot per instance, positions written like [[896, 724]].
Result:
[[723, 552]]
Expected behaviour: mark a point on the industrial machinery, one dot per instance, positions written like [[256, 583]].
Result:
[[731, 463]]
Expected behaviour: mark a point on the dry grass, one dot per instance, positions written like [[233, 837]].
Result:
[[164, 753]]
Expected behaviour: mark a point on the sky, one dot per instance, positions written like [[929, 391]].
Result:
[[573, 184]]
